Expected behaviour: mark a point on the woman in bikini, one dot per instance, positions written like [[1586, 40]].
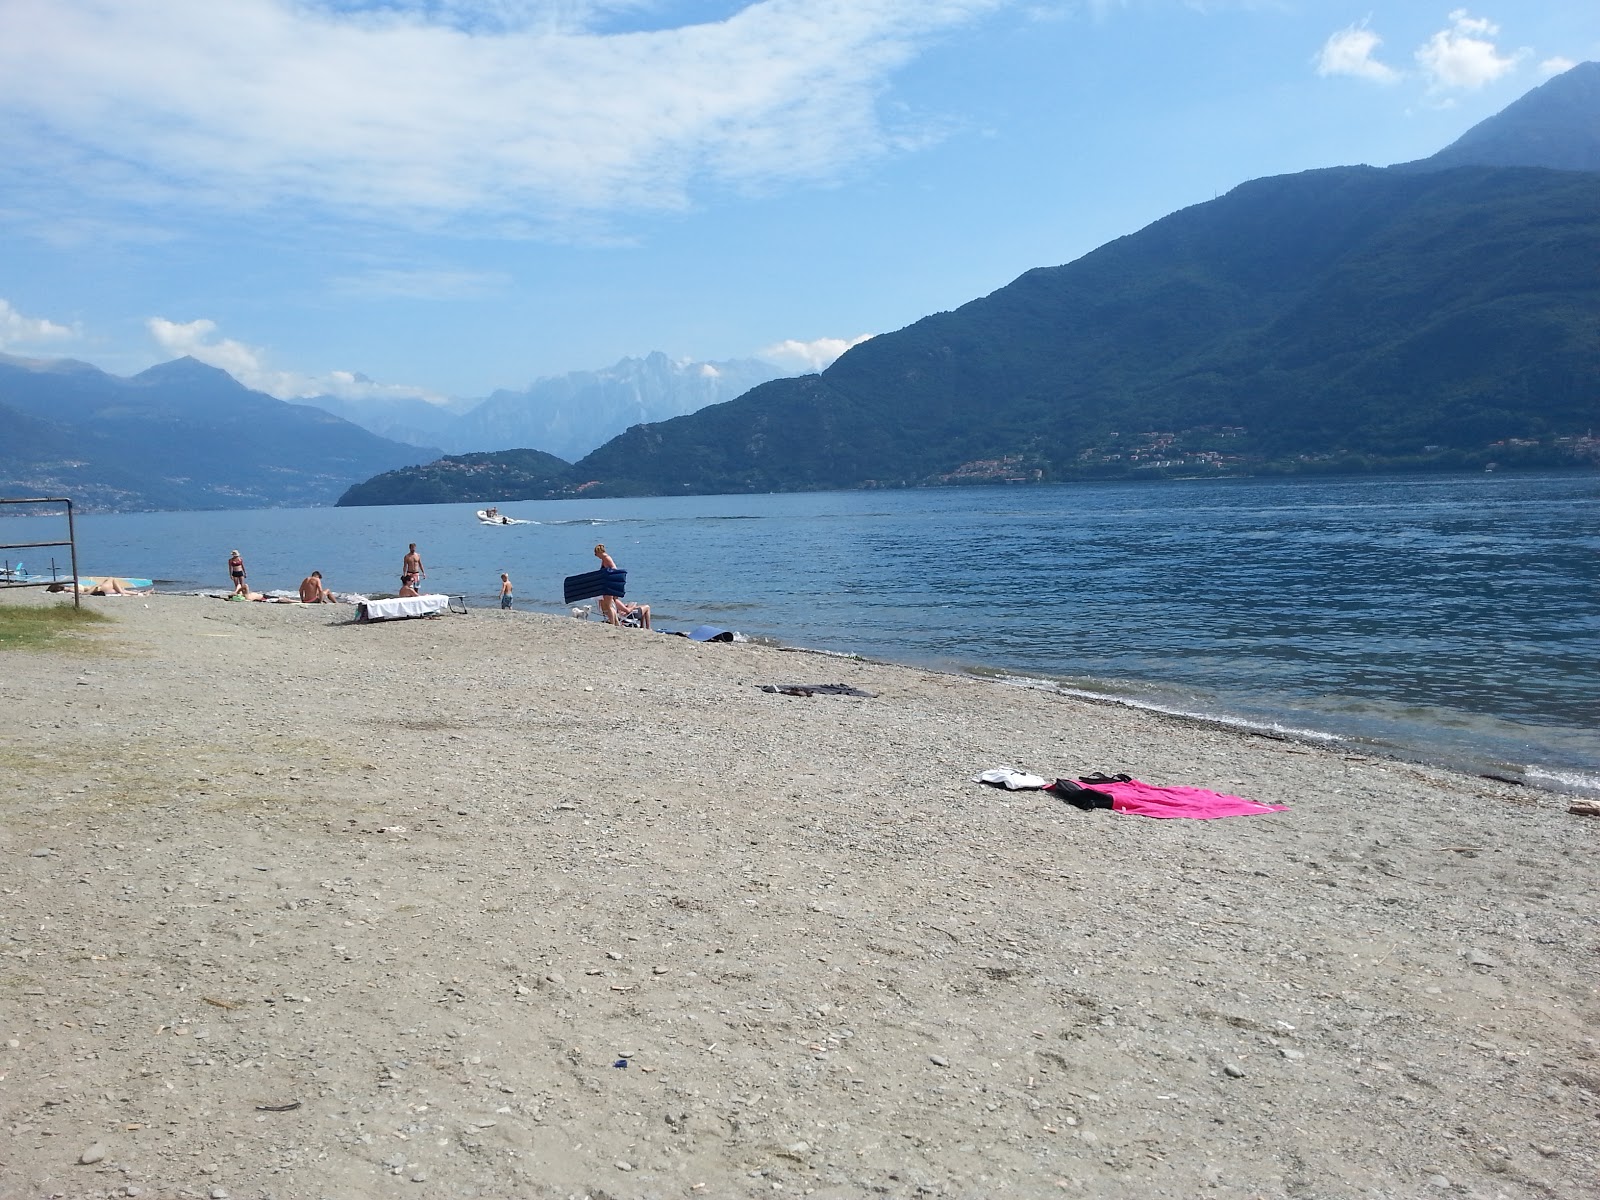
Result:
[[236, 571], [608, 604]]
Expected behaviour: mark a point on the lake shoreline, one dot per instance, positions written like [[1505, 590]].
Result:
[[1558, 781]]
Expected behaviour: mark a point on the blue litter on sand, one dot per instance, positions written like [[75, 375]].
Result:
[[621, 1062]]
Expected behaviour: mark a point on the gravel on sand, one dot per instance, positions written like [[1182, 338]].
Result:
[[508, 904]]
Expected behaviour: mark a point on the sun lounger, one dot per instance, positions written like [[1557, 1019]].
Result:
[[402, 606]]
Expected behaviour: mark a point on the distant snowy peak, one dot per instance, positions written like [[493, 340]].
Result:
[[565, 415], [569, 415]]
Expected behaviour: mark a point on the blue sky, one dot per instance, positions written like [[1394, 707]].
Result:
[[443, 197]]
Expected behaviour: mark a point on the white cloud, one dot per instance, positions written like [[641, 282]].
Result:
[[1557, 65], [1462, 57], [21, 332], [515, 110], [809, 356], [248, 365], [1350, 52]]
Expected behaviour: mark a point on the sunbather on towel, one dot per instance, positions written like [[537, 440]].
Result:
[[111, 586]]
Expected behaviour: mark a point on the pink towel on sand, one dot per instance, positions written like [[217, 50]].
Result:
[[1148, 800]]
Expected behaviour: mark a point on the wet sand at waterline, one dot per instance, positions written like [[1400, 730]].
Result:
[[301, 908]]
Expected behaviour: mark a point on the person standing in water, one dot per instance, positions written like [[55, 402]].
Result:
[[505, 590], [411, 572]]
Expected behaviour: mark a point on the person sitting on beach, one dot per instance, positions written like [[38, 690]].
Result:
[[313, 591], [631, 616]]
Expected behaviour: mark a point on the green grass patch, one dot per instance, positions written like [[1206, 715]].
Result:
[[48, 625]]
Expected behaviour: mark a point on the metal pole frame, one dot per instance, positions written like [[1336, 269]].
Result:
[[72, 541]]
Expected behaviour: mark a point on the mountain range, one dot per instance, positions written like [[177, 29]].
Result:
[[1435, 315], [180, 435], [1339, 318], [565, 415], [1344, 319]]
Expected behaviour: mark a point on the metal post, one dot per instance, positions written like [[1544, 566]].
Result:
[[72, 537]]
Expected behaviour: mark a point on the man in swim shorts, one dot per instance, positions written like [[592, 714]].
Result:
[[411, 572], [312, 590]]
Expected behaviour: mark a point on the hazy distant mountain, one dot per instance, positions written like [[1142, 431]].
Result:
[[1555, 125], [180, 435], [565, 415], [401, 419], [569, 415]]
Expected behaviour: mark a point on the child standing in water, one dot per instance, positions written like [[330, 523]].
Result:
[[505, 590]]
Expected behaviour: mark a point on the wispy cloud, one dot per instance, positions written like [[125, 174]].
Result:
[[1464, 57], [248, 364], [421, 283], [446, 110], [809, 356], [1351, 52], [1557, 65], [21, 332]]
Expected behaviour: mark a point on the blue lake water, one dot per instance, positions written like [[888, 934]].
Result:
[[1451, 619]]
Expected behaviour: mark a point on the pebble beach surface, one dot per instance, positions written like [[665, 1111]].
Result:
[[514, 905]]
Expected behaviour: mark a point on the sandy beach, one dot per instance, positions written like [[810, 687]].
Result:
[[514, 905]]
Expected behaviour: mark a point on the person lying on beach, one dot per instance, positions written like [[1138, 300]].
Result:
[[112, 586], [313, 591]]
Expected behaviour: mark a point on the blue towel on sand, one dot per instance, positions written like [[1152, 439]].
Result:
[[594, 583]]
